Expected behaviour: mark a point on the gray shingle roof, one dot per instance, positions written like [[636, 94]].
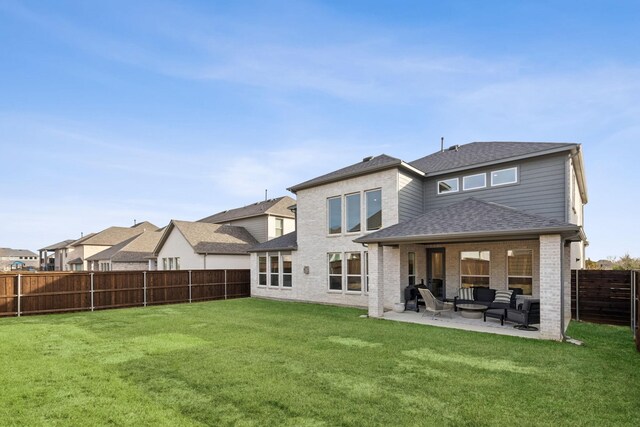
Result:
[[114, 235], [278, 207], [75, 261], [478, 153], [376, 163], [215, 238], [469, 217], [59, 245], [287, 242], [8, 252], [138, 248]]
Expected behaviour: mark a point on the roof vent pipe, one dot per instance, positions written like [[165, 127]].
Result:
[[442, 144]]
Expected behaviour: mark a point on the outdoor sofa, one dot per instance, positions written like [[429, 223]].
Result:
[[486, 296]]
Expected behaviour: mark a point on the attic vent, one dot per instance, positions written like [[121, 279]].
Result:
[[366, 159], [454, 148]]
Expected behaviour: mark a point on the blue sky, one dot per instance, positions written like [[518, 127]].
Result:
[[115, 111]]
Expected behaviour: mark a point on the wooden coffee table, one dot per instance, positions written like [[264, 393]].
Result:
[[472, 311]]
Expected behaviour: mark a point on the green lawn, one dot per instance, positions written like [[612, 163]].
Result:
[[257, 362]]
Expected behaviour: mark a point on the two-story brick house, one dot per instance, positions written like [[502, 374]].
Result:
[[498, 214]]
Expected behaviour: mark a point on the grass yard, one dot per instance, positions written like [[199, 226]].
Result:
[[257, 362]]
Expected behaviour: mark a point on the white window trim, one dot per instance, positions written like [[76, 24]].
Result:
[[450, 191], [364, 214], [280, 273], [409, 275], [464, 180], [329, 275], [474, 275], [515, 168], [346, 213], [347, 275], [342, 221], [266, 272]]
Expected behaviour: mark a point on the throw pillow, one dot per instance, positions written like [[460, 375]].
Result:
[[466, 293], [503, 297]]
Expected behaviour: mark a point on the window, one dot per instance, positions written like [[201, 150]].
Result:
[[520, 270], [335, 215], [275, 264], [170, 263], [335, 271], [374, 209], [354, 272], [504, 176], [474, 268], [353, 212], [412, 268], [279, 227], [448, 186], [473, 182], [164, 263], [286, 270], [262, 271], [177, 263]]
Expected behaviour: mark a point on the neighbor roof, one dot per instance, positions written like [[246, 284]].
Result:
[[471, 219], [75, 261], [367, 165], [8, 252], [277, 207], [480, 153], [287, 242], [59, 245], [138, 248], [206, 238], [114, 235]]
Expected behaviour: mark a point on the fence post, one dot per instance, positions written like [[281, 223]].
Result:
[[189, 285], [92, 305], [225, 284], [578, 295], [19, 293], [144, 289]]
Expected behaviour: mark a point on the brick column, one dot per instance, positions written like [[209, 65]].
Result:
[[376, 277], [392, 291], [551, 255]]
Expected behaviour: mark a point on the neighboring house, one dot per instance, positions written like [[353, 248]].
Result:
[[17, 259], [502, 214], [52, 258], [83, 248], [264, 220], [188, 245], [135, 253]]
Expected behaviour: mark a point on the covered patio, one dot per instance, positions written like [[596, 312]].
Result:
[[474, 244], [454, 320]]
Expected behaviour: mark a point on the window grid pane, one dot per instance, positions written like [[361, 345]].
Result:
[[374, 209], [353, 213], [335, 215]]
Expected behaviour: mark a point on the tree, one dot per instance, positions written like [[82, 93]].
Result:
[[627, 262]]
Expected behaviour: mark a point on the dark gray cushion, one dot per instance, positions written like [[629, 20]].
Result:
[[485, 295]]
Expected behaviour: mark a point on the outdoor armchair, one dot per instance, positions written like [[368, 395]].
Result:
[[433, 304]]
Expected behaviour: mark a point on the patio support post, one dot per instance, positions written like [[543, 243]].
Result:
[[551, 261], [392, 288], [566, 277], [376, 275]]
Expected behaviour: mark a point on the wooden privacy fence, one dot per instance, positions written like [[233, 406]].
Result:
[[604, 296], [56, 292]]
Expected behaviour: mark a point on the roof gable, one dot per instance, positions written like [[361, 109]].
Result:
[[114, 235], [206, 238], [276, 207], [366, 166]]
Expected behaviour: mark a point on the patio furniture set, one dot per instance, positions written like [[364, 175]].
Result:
[[480, 303]]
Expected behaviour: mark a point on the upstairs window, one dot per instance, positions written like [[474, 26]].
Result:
[[334, 207], [448, 186], [279, 227], [473, 182], [353, 212], [374, 209], [504, 176]]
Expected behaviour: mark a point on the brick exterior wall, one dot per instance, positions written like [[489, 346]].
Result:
[[550, 277]]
